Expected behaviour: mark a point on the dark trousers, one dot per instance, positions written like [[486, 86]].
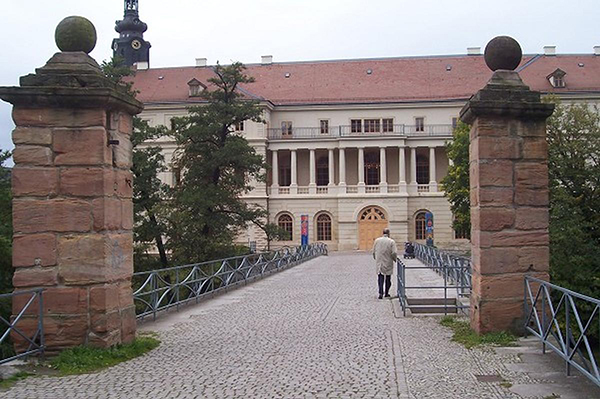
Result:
[[388, 284]]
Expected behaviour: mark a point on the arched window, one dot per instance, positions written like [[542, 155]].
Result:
[[323, 227], [420, 226], [286, 223], [422, 169]]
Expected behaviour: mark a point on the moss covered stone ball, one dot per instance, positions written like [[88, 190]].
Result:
[[503, 52], [75, 34]]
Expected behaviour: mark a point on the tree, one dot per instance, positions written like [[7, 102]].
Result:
[[6, 269], [149, 192], [218, 166], [456, 183]]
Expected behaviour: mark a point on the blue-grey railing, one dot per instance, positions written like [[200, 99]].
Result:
[[34, 305], [562, 320], [162, 289], [455, 270]]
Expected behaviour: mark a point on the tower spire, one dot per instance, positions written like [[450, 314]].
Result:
[[130, 45]]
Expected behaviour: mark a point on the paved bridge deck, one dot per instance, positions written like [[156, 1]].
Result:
[[314, 331]]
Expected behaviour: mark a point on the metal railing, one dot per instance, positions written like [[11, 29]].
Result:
[[455, 271], [562, 319], [163, 289], [441, 130], [36, 342]]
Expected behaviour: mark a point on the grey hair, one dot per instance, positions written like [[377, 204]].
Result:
[[386, 231]]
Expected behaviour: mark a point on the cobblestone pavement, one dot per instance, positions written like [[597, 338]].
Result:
[[314, 331]]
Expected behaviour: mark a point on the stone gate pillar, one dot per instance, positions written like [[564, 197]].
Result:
[[72, 188], [509, 190]]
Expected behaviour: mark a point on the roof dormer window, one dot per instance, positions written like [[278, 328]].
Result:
[[195, 87], [557, 78]]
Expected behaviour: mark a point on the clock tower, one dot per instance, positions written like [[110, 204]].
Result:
[[131, 45]]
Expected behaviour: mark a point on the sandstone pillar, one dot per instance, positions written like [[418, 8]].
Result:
[[509, 190], [275, 173], [72, 207]]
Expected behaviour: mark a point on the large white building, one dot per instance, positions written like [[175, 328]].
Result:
[[358, 145]]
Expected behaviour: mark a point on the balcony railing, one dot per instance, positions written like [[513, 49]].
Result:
[[349, 131]]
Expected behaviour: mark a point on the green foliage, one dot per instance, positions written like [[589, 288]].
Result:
[[116, 70], [85, 359], [6, 269], [218, 166], [463, 334], [456, 183], [10, 381]]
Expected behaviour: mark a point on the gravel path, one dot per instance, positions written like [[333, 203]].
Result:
[[314, 331]]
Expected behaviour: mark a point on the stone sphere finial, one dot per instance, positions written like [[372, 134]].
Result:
[[503, 52], [75, 34]]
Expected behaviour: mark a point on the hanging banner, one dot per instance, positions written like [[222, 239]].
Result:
[[304, 229], [429, 229]]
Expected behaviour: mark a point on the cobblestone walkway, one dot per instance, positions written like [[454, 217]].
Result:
[[314, 331]]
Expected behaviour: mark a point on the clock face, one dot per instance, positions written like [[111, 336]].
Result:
[[136, 44], [115, 46]]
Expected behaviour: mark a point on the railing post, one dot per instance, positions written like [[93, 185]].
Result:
[[568, 334], [543, 320], [177, 287], [41, 324]]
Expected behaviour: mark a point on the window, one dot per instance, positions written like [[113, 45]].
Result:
[[195, 87], [239, 127], [324, 126], [285, 175], [557, 78], [323, 227], [286, 223], [462, 234], [422, 170], [286, 128], [356, 125], [387, 125], [371, 168], [420, 226], [420, 124], [322, 171], [372, 125], [454, 123]]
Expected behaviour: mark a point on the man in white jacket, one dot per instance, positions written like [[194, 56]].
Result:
[[385, 254]]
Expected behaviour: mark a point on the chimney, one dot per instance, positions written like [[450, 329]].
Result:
[[266, 59], [200, 62], [549, 50], [596, 50], [141, 65], [473, 50]]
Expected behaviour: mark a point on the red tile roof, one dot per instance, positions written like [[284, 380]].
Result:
[[391, 80]]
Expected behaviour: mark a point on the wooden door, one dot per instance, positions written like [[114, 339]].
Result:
[[371, 223]]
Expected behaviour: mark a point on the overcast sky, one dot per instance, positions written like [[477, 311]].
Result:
[[294, 30]]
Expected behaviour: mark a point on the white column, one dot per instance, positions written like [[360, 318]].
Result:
[[342, 167], [294, 177], [275, 170], [312, 186], [432, 177], [361, 170], [330, 163], [382, 170], [402, 169], [413, 170]]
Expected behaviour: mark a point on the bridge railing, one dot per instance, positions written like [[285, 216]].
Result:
[[162, 289], [563, 319], [33, 305]]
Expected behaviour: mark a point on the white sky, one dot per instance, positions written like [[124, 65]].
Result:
[[294, 30]]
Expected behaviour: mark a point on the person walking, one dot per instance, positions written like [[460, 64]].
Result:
[[385, 254]]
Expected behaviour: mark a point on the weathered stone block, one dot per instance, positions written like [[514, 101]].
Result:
[[535, 148], [60, 215], [32, 135], [125, 294], [532, 218], [122, 152], [487, 147], [125, 123], [81, 259], [34, 250], [102, 323], [531, 175], [128, 324], [74, 117], [532, 197], [497, 196], [35, 277], [32, 155], [81, 147], [495, 219], [105, 340], [104, 298], [497, 173], [34, 181], [511, 238], [503, 285], [83, 182], [56, 300], [124, 183], [127, 215], [496, 260], [535, 259], [500, 315], [107, 213]]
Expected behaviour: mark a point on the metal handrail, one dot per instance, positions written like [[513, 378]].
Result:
[[162, 289], [560, 326], [36, 342], [349, 131]]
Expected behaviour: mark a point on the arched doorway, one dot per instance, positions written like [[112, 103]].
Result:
[[371, 222]]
